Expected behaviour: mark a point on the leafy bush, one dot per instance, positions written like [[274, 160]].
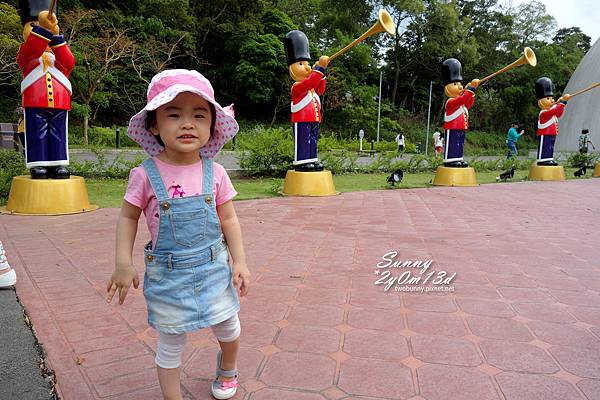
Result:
[[276, 186], [381, 163], [577, 160], [101, 168], [99, 136], [503, 164], [339, 162], [265, 151], [333, 142], [12, 163], [499, 164]]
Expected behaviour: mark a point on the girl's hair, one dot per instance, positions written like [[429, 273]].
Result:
[[151, 122]]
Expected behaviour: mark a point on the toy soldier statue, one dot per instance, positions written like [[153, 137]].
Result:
[[46, 63], [456, 118], [547, 126], [306, 104]]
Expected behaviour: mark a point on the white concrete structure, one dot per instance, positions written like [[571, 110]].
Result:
[[583, 111]]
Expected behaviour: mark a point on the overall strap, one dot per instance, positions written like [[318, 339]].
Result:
[[155, 180], [207, 172]]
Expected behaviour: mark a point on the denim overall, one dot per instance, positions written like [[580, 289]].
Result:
[[188, 281]]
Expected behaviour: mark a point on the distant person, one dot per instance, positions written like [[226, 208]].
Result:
[[438, 143], [511, 140], [584, 141], [400, 142]]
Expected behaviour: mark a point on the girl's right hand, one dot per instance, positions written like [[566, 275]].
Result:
[[121, 280]]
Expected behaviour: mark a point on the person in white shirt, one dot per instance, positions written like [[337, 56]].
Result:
[[438, 143], [400, 142]]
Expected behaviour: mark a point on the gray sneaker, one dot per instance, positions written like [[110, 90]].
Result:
[[224, 389]]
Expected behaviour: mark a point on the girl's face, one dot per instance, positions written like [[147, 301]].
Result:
[[184, 123]]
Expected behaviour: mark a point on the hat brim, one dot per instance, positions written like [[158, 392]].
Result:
[[225, 125]]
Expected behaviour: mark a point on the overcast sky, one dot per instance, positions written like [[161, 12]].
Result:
[[582, 13]]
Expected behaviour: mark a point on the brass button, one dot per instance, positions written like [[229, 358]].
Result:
[[149, 257], [208, 199], [165, 206]]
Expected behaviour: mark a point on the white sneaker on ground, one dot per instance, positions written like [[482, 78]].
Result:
[[8, 279], [223, 390]]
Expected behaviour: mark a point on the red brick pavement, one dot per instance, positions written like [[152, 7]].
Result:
[[522, 323]]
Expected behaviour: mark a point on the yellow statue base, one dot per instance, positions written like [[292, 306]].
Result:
[[47, 196], [318, 183], [596, 170], [546, 173], [446, 176]]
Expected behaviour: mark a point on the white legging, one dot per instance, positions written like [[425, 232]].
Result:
[[170, 346]]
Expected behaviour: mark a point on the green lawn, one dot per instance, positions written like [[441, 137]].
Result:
[[109, 192]]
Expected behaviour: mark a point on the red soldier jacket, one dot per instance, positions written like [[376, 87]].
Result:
[[306, 104], [548, 119], [45, 75], [457, 110]]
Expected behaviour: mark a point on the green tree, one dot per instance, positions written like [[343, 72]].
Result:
[[10, 39], [100, 49], [261, 73], [261, 68], [403, 12], [10, 78], [437, 33], [532, 24], [572, 38]]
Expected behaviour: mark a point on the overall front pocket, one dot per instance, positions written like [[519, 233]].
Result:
[[188, 227], [155, 269]]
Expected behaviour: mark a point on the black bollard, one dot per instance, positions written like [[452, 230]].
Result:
[[118, 139]]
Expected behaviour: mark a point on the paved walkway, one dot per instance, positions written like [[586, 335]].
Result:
[[523, 321]]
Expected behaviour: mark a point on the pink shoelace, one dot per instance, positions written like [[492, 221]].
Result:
[[229, 384]]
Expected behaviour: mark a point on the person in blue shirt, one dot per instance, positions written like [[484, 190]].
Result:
[[511, 139]]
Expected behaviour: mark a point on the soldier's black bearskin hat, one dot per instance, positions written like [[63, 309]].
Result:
[[543, 88], [29, 9], [296, 47], [451, 71]]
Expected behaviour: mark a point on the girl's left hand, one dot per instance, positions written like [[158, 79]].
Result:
[[241, 278]]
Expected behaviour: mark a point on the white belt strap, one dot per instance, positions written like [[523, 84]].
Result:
[[305, 101], [39, 72], [548, 123], [461, 110]]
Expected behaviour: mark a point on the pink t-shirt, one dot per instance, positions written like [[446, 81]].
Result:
[[180, 181]]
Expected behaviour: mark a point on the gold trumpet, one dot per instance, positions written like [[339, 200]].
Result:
[[51, 8], [384, 23], [528, 57], [586, 89]]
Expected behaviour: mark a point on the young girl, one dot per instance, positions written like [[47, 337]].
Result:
[[187, 201]]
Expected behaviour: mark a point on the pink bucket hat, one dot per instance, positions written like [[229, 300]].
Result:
[[163, 88]]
